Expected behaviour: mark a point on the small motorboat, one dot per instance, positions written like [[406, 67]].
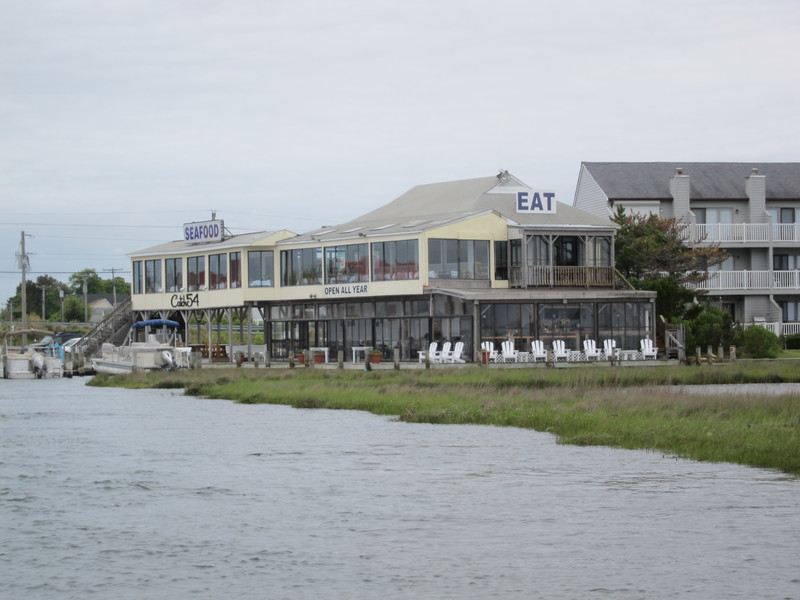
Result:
[[39, 360], [158, 351]]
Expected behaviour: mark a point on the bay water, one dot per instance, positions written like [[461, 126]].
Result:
[[111, 493]]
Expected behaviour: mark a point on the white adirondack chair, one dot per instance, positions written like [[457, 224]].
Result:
[[440, 356], [455, 355], [431, 351], [609, 348], [648, 349], [560, 351], [537, 350], [509, 352], [590, 350], [489, 347]]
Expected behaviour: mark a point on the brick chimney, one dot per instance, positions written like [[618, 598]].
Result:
[[755, 187], [679, 190]]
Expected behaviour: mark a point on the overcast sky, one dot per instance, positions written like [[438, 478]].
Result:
[[122, 119]]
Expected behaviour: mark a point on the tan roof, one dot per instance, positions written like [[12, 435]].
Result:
[[244, 239], [429, 206]]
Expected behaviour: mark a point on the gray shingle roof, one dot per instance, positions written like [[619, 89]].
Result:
[[708, 180]]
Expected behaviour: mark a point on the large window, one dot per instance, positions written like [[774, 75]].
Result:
[[791, 310], [137, 277], [218, 271], [458, 259], [501, 260], [260, 268], [598, 252], [713, 216], [196, 273], [152, 276], [345, 264], [301, 267], [395, 260], [174, 267], [236, 269]]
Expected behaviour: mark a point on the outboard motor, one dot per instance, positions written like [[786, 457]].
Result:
[[168, 360], [37, 362]]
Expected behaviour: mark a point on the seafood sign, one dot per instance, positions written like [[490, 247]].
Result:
[[203, 232]]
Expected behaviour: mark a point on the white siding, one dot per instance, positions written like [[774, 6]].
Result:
[[589, 196]]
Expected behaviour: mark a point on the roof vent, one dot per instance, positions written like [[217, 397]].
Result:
[[679, 171]]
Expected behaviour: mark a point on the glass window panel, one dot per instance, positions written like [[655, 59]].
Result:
[[236, 269]]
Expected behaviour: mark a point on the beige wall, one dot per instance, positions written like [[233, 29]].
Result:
[[490, 227]]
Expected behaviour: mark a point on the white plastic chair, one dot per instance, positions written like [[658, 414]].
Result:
[[590, 350], [509, 352], [455, 355], [537, 350], [609, 347], [441, 355], [431, 352], [489, 347], [648, 349], [560, 351]]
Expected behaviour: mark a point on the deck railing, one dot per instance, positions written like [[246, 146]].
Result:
[[744, 233], [547, 276], [749, 280]]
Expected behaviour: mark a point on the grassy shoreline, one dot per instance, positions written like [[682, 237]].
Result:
[[623, 408]]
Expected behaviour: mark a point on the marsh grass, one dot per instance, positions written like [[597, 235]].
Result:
[[622, 407]]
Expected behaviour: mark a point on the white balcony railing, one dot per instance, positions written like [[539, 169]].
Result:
[[749, 280], [743, 233]]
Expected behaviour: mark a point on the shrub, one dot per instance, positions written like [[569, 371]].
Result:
[[757, 342], [708, 326], [792, 341]]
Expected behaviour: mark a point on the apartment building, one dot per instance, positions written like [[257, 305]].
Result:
[[752, 210]]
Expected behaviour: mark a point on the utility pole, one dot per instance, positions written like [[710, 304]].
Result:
[[44, 288], [23, 263], [113, 282], [85, 299]]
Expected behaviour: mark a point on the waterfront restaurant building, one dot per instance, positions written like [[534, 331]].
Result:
[[472, 260]]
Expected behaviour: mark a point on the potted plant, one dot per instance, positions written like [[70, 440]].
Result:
[[375, 356], [319, 357], [301, 358]]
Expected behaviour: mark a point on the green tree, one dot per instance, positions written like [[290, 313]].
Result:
[[648, 247], [653, 254], [74, 309], [708, 326], [94, 283], [672, 297], [52, 300]]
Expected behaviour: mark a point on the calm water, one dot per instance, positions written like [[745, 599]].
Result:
[[149, 494]]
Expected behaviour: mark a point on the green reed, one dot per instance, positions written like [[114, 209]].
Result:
[[620, 407]]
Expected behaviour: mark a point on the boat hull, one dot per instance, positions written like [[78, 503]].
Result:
[[31, 366]]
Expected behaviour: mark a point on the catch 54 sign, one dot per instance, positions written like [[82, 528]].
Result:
[[530, 202], [203, 232]]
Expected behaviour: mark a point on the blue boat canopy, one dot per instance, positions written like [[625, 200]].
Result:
[[155, 323]]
